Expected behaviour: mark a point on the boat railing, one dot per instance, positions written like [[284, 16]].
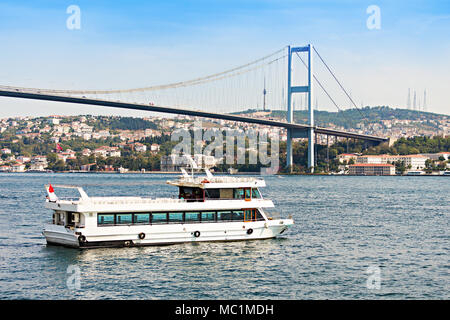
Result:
[[69, 198], [137, 201], [198, 180], [276, 215]]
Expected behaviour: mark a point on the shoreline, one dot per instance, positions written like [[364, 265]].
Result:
[[235, 174]]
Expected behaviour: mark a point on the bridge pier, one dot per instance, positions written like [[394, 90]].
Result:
[[289, 157], [290, 112]]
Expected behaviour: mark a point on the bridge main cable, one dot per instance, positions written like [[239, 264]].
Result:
[[200, 80]]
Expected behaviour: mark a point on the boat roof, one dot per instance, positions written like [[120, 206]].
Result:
[[219, 182]]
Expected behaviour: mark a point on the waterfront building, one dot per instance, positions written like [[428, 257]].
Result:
[[371, 169], [436, 156], [37, 166], [416, 161], [347, 157], [18, 167], [371, 159], [175, 162]]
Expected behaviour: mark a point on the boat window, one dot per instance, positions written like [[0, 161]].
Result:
[[159, 218], [252, 215], [256, 194], [124, 218], [226, 193], [238, 193], [175, 217], [185, 193], [248, 193], [238, 215], [191, 194], [224, 215], [105, 219], [208, 216], [191, 217], [259, 216], [198, 194], [141, 218], [212, 193]]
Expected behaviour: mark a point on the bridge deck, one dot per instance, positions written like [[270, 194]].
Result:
[[135, 106]]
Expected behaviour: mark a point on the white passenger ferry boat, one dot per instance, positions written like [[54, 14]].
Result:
[[207, 209]]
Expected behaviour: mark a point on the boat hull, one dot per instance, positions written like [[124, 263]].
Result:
[[151, 235]]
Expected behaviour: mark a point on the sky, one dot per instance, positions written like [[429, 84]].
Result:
[[126, 44]]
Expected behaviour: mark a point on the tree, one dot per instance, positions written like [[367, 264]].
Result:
[[400, 166]]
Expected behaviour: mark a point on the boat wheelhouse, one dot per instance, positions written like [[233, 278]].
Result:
[[207, 208]]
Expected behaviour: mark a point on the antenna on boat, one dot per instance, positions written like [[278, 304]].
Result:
[[192, 163], [208, 173], [185, 174]]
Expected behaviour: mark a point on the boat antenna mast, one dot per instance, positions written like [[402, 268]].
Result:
[[192, 164]]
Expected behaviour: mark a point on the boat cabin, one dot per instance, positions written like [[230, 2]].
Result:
[[68, 219], [201, 194]]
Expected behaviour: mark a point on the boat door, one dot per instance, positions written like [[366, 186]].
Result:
[[249, 215], [248, 194]]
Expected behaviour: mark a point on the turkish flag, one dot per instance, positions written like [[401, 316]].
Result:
[[50, 189]]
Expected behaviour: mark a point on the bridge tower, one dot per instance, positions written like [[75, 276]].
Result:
[[308, 89]]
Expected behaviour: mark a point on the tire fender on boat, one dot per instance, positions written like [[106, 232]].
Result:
[[142, 236], [82, 239], [249, 231], [197, 234]]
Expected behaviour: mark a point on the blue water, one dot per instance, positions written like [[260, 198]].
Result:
[[344, 225]]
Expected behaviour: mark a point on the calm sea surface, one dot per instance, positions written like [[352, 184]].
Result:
[[344, 225]]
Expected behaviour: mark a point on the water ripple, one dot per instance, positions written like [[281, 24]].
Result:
[[343, 226]]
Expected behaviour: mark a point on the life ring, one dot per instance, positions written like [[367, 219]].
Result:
[[197, 234], [205, 181], [127, 243], [82, 239], [142, 236], [249, 231]]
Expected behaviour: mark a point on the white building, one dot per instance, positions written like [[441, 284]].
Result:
[[371, 159], [416, 161], [38, 166], [139, 147], [154, 147], [368, 169], [23, 159], [18, 167], [53, 120], [347, 157]]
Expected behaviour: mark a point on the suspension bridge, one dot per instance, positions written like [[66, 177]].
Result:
[[225, 95]]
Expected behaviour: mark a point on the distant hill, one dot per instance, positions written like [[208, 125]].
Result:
[[351, 117], [123, 123]]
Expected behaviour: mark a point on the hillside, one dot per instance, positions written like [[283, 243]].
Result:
[[352, 117]]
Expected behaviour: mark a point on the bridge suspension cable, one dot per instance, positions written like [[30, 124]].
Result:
[[201, 80], [339, 83], [323, 88]]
